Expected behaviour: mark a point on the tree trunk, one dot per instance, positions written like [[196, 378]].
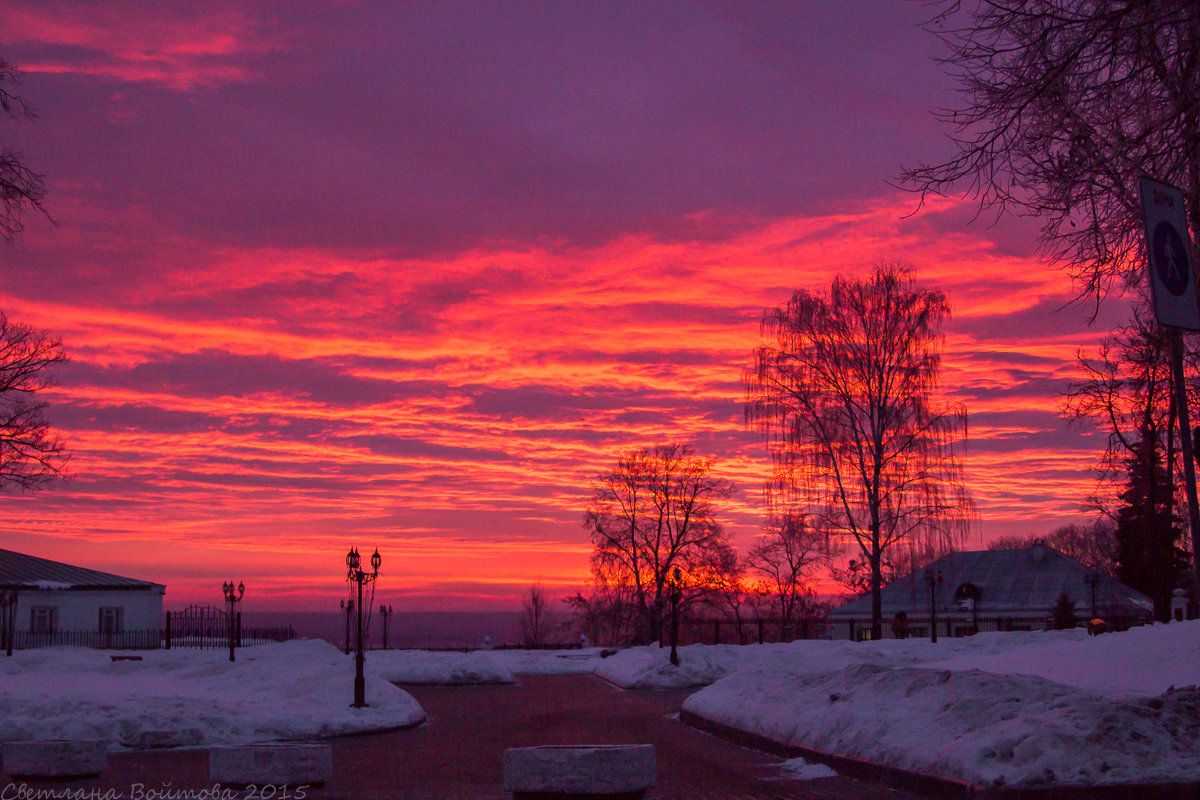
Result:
[[876, 590]]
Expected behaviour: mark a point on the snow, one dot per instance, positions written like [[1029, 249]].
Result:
[[52, 585], [1021, 709], [999, 709], [292, 690], [478, 666], [797, 769], [448, 669]]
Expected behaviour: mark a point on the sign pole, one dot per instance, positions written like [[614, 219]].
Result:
[[1185, 447], [1173, 287]]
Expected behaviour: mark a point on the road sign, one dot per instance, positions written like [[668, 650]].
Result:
[[1169, 253]]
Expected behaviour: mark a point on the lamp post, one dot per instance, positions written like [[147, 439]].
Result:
[[385, 612], [8, 609], [1091, 579], [233, 596], [348, 609], [933, 580], [356, 574], [676, 596]]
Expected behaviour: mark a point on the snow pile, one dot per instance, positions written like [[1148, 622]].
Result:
[[797, 769], [1141, 661], [292, 690], [477, 666], [549, 662], [1036, 709], [699, 665], [449, 669]]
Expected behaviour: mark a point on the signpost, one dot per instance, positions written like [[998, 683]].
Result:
[[1173, 284]]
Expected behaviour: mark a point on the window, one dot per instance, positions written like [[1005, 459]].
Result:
[[43, 619], [112, 620]]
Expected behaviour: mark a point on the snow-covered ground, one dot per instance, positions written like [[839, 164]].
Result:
[[293, 690], [997, 709], [1011, 709]]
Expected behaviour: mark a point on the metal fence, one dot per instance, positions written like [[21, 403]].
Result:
[[126, 640], [762, 631], [147, 640]]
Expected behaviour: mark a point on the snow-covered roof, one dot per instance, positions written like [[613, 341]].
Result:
[[21, 571], [1009, 582]]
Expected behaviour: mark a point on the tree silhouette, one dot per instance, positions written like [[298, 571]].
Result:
[[785, 557], [653, 512], [20, 187], [844, 397], [1067, 103]]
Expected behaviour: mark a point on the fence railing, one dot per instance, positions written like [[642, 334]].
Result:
[[761, 631], [146, 639], [126, 640]]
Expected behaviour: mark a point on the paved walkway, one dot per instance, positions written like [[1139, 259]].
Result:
[[457, 754]]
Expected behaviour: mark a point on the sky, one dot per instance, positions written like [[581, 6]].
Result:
[[410, 276]]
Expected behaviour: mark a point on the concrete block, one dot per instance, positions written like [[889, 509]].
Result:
[[615, 770], [260, 764], [54, 758]]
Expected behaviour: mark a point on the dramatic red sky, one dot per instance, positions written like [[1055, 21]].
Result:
[[410, 275]]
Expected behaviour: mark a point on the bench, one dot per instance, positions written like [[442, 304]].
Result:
[[580, 772], [54, 758], [266, 764]]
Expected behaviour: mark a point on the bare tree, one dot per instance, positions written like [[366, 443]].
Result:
[[785, 557], [653, 512], [31, 455], [535, 618], [1126, 392], [1067, 103], [844, 396], [20, 186], [603, 615], [1092, 544]]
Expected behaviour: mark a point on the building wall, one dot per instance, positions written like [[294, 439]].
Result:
[[79, 610]]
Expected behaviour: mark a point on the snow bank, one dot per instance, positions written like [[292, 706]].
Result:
[[1035, 709], [292, 690], [549, 662], [651, 667], [477, 666], [449, 669]]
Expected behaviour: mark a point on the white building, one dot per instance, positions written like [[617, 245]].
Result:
[[47, 602]]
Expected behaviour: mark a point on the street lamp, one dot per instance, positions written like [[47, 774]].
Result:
[[348, 609], [356, 574], [676, 596], [233, 596], [385, 612], [8, 612], [1091, 579], [933, 580]]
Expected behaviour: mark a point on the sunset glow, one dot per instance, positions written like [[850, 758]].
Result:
[[410, 279]]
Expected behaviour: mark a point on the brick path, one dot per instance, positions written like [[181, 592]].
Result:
[[457, 755]]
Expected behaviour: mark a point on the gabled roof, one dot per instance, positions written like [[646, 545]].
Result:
[[20, 571], [1009, 582]]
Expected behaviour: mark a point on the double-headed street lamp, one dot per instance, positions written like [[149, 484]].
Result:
[[933, 580], [356, 574], [233, 596]]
